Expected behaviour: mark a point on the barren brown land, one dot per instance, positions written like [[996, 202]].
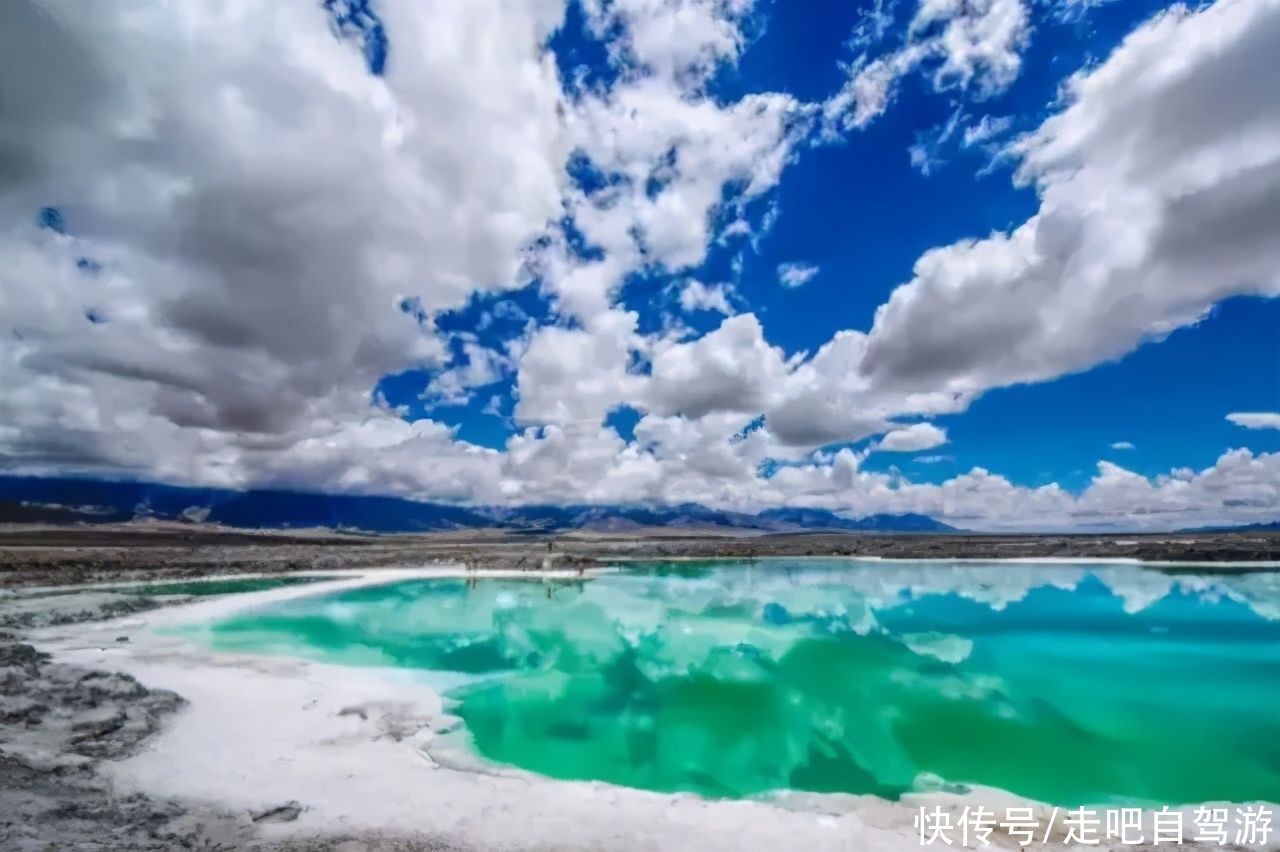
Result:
[[69, 555]]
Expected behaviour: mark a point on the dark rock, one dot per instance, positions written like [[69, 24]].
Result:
[[287, 812], [18, 654]]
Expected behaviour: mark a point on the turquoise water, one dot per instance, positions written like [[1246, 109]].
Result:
[[1067, 684]]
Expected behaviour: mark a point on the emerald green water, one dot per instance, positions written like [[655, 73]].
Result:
[[1067, 684]]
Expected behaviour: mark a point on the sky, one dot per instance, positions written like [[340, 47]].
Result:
[[1009, 263]]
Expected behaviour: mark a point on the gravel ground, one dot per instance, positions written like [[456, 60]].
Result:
[[76, 555]]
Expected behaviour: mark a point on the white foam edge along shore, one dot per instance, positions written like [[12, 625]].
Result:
[[361, 750]]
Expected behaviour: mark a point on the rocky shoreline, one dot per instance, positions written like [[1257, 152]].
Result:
[[60, 722]]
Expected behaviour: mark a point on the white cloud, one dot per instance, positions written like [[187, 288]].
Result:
[[980, 41], [706, 297], [926, 152], [823, 399], [748, 142], [575, 376], [1256, 420], [874, 22], [987, 129], [796, 274], [259, 205], [681, 40], [252, 295], [913, 438], [971, 45], [730, 369], [1122, 445], [1160, 196], [868, 91], [1071, 11], [483, 367], [673, 155], [1239, 488], [736, 228]]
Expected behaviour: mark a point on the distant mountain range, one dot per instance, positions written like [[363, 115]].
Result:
[[1266, 526], [70, 500]]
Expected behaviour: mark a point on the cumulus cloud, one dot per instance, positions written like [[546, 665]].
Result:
[[482, 366], [730, 369], [216, 302], [796, 274], [670, 155], [1075, 285], [576, 375], [252, 229], [1122, 445], [1160, 196], [1256, 419], [260, 239], [1239, 487], [913, 438]]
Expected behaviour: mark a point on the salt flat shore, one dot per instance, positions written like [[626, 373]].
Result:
[[121, 733]]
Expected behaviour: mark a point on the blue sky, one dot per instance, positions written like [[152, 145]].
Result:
[[861, 211], [545, 258]]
